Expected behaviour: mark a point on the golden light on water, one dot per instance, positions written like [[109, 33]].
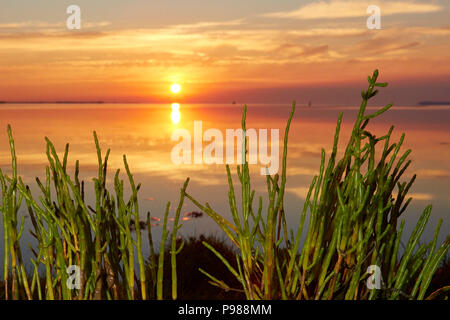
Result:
[[175, 88], [175, 116]]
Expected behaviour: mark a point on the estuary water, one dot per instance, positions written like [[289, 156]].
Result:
[[144, 133]]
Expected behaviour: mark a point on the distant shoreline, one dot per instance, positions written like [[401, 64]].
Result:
[[434, 103], [420, 103], [52, 102]]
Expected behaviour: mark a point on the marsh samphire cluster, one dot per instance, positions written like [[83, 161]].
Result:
[[354, 208]]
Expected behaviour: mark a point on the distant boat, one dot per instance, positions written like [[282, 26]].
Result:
[[434, 103], [234, 102]]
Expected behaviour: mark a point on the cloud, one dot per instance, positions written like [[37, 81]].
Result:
[[291, 51], [229, 52], [51, 35], [96, 24], [385, 45], [48, 26], [28, 24], [353, 8], [311, 51], [434, 31], [329, 32], [208, 24]]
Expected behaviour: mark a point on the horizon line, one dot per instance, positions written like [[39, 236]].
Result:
[[422, 103]]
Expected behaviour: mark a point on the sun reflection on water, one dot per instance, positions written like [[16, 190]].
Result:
[[176, 115]]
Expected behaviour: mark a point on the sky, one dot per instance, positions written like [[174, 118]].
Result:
[[250, 51]]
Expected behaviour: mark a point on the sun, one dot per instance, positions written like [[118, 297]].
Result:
[[175, 88]]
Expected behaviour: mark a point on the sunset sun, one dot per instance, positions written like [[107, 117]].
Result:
[[175, 88]]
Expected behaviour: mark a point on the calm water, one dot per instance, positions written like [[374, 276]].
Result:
[[143, 133]]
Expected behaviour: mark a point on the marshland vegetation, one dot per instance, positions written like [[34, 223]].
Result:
[[351, 220]]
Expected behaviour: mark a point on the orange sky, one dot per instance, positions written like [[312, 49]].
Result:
[[271, 52]]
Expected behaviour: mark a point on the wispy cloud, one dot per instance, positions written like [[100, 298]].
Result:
[[209, 24], [329, 32], [353, 8], [28, 24], [205, 52], [48, 26], [387, 45]]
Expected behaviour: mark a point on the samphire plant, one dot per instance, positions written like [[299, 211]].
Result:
[[354, 206], [70, 232]]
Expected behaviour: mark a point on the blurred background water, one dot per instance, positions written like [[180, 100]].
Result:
[[143, 132]]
